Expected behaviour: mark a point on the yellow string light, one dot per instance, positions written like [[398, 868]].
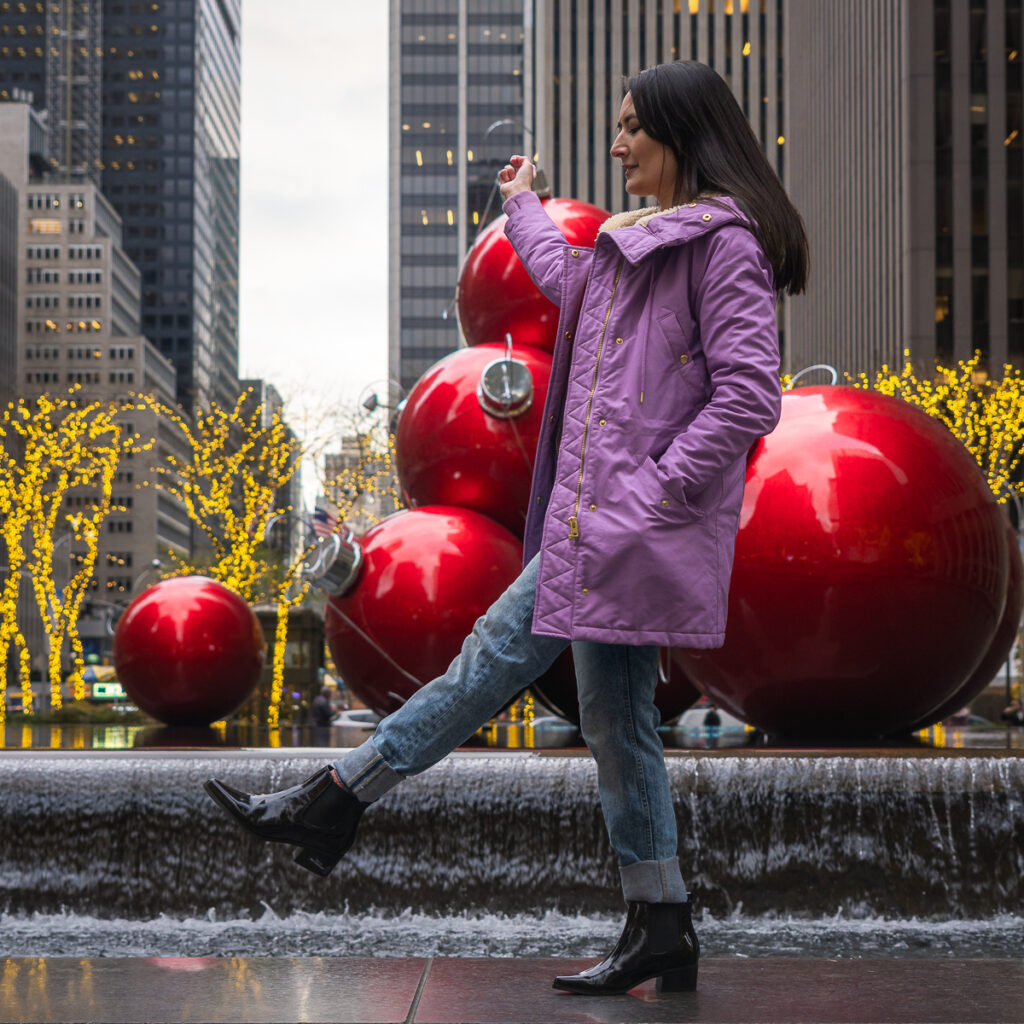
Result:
[[985, 413]]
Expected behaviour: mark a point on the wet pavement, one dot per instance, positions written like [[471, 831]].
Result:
[[501, 991]]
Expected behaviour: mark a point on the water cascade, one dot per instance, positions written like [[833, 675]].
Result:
[[131, 836]]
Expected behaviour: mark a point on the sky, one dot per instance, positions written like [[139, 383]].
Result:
[[314, 216]]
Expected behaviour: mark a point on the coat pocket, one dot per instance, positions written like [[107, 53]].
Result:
[[658, 505], [683, 351]]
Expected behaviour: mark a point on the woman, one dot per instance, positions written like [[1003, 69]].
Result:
[[665, 372]]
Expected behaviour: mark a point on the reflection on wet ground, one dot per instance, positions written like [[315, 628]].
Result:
[[543, 733]]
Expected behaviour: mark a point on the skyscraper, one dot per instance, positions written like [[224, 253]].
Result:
[[541, 77], [51, 56], [143, 98], [457, 97], [906, 160], [171, 80], [582, 52]]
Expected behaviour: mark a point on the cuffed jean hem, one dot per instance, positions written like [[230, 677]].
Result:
[[366, 773], [653, 881]]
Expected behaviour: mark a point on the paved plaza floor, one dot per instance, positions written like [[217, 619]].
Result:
[[502, 991]]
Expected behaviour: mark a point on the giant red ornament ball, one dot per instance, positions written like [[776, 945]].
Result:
[[496, 295], [870, 573], [674, 694], [427, 575], [454, 447], [188, 651], [1002, 642]]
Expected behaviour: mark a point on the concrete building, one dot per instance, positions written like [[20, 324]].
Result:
[[578, 55], [905, 157], [78, 323], [10, 210], [286, 533], [364, 490]]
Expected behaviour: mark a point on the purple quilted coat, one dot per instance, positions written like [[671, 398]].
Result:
[[665, 373]]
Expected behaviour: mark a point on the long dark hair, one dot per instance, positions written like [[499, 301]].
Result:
[[688, 107]]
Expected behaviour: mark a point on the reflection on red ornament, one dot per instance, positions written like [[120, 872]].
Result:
[[1001, 645], [468, 432], [870, 573], [496, 295], [427, 574], [188, 651]]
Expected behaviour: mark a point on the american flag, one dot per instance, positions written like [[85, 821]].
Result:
[[325, 516]]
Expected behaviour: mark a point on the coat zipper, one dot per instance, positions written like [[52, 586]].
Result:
[[574, 520]]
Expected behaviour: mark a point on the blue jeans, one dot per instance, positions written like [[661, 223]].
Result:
[[619, 721]]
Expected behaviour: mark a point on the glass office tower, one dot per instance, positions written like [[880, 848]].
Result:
[[457, 100], [51, 56], [171, 119]]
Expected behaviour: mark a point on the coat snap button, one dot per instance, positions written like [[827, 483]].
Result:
[[574, 252], [664, 502], [593, 508], [551, 419], [585, 591], [568, 334], [602, 422], [618, 341], [706, 216], [683, 358], [539, 501]]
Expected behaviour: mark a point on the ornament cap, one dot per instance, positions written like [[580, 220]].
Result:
[[335, 565]]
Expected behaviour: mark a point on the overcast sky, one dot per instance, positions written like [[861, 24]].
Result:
[[313, 262]]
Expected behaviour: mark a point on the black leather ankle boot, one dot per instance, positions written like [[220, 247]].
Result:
[[658, 941], [318, 815]]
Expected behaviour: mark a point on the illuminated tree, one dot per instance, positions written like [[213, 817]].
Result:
[[985, 413], [230, 485], [361, 479], [53, 445]]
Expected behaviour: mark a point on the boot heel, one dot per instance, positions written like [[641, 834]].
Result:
[[683, 979], [316, 862]]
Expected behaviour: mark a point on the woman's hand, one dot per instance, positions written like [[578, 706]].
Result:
[[516, 176]]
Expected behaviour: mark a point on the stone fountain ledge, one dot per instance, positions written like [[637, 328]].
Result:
[[927, 834]]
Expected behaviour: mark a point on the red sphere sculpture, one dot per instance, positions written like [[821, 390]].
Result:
[[495, 294], [188, 651], [675, 692], [870, 572], [468, 432], [1001, 645], [427, 574]]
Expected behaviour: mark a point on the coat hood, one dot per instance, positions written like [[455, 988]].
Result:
[[637, 233]]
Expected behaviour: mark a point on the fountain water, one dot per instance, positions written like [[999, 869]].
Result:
[[131, 836]]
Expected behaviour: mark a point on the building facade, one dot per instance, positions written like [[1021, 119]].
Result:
[[286, 533], [582, 52], [80, 325], [906, 161], [51, 56], [77, 323], [144, 99], [170, 146], [542, 77], [457, 91], [10, 210]]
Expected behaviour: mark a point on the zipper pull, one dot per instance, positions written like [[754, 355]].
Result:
[[574, 527]]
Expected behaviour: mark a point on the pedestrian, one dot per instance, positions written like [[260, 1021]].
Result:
[[323, 709], [665, 372]]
